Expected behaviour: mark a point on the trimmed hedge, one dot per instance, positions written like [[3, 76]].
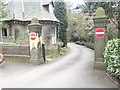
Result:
[[112, 57]]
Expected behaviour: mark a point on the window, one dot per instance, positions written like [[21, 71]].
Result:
[[46, 7], [53, 35], [4, 32]]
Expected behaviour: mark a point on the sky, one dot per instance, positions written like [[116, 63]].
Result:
[[75, 1], [72, 1]]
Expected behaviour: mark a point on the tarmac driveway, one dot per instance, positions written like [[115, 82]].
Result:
[[74, 70]]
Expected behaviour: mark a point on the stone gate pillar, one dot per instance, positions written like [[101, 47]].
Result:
[[100, 26], [35, 30]]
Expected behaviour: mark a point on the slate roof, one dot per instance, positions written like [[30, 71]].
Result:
[[46, 2], [31, 9]]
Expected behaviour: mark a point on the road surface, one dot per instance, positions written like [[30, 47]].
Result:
[[74, 70]]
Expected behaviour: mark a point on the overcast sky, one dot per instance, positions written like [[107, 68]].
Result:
[[72, 1], [75, 1]]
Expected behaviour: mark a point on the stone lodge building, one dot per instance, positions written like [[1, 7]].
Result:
[[20, 15]]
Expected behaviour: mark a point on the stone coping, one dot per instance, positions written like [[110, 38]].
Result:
[[16, 55]]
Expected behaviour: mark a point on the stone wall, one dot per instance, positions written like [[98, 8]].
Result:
[[14, 32], [48, 31], [16, 49], [18, 30], [16, 52]]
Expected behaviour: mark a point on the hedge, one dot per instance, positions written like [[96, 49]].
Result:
[[89, 45], [112, 57]]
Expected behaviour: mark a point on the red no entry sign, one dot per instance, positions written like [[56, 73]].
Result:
[[100, 32], [33, 36], [1, 57]]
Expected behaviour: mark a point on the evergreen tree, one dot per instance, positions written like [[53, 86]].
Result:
[[3, 12], [61, 14]]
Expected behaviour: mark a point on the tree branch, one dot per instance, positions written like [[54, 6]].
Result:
[[114, 22]]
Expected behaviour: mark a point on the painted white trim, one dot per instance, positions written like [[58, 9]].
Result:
[[33, 36], [1, 36], [99, 32], [55, 35], [22, 7], [51, 9]]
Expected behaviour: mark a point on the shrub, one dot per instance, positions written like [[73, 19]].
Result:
[[89, 45], [80, 43], [53, 53], [112, 57], [63, 51], [23, 39]]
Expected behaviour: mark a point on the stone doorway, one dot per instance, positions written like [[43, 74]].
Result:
[[4, 34]]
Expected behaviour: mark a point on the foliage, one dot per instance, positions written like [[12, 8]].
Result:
[[81, 31], [112, 11], [83, 43], [7, 43], [85, 36], [80, 43], [75, 25], [61, 14], [63, 51], [111, 33], [80, 27], [90, 45], [23, 39], [110, 8], [112, 57], [3, 12], [53, 53]]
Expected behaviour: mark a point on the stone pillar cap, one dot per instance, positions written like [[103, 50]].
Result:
[[100, 13], [34, 21]]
